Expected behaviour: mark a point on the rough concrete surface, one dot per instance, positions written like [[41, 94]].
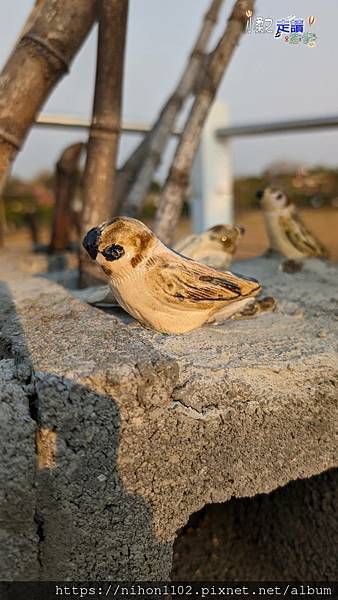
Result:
[[141, 429], [287, 535]]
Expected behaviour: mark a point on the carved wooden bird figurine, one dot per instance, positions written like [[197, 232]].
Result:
[[214, 247], [286, 232], [160, 288]]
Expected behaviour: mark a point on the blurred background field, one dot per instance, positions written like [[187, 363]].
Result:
[[267, 81], [29, 205]]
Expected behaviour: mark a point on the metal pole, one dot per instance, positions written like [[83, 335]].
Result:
[[278, 127], [44, 120], [71, 122]]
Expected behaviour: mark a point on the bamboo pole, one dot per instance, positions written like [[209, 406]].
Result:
[[33, 15], [31, 220], [66, 178], [99, 200], [32, 224], [3, 224], [177, 182], [37, 63], [128, 172], [157, 139]]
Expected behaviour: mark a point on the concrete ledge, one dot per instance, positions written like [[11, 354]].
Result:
[[137, 430]]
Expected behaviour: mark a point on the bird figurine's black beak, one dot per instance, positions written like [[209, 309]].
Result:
[[259, 195], [91, 242]]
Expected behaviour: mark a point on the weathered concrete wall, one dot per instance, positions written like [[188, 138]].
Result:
[[142, 429], [18, 529]]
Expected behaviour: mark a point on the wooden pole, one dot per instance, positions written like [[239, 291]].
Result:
[[99, 199], [37, 63], [157, 139], [128, 172], [36, 9], [176, 186], [66, 178], [2, 221]]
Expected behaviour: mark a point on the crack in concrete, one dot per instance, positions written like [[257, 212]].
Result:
[[33, 400], [39, 521], [34, 412], [7, 351]]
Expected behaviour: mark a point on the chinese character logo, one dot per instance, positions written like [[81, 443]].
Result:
[[294, 31], [283, 26], [290, 29], [259, 24]]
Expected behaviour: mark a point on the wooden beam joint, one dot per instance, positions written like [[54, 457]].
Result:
[[9, 138], [51, 50]]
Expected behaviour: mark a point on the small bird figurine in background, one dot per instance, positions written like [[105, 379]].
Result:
[[214, 247], [160, 288], [286, 232]]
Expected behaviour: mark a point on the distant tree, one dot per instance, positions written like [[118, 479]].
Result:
[[281, 167]]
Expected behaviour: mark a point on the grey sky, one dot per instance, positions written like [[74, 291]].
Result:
[[267, 79]]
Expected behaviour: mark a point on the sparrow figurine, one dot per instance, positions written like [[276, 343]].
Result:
[[159, 287], [286, 232], [214, 247]]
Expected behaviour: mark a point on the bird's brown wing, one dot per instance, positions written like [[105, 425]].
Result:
[[185, 245], [196, 285], [301, 238]]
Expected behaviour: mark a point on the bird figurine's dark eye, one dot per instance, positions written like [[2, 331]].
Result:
[[113, 252], [279, 196]]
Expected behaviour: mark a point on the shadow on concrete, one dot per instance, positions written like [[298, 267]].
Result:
[[287, 535], [65, 513]]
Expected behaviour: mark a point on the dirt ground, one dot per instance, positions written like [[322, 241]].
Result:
[[323, 223]]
